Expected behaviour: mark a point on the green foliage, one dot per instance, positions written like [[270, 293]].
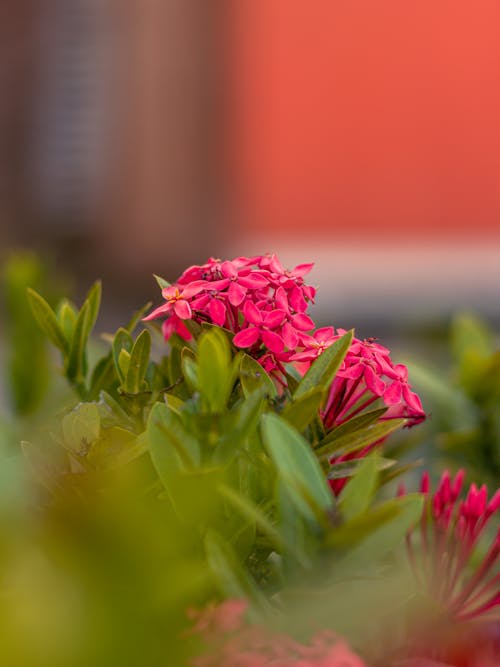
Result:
[[28, 372], [464, 399], [172, 476]]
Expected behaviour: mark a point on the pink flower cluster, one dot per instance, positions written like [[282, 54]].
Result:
[[450, 530], [263, 304], [232, 642]]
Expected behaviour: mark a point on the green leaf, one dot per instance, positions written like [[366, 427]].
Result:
[[215, 380], [354, 424], [137, 317], [76, 365], [94, 301], [299, 413], [67, 314], [103, 376], [240, 425], [116, 447], [81, 428], [358, 493], [122, 340], [189, 369], [47, 320], [357, 439], [171, 446], [373, 534], [138, 364], [250, 511], [325, 367], [253, 376], [297, 466], [233, 580], [162, 283], [344, 469]]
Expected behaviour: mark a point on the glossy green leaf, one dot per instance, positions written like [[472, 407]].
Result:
[[94, 301], [297, 466], [122, 340], [162, 283], [215, 379], [76, 365], [300, 412], [171, 446], [253, 376], [138, 364], [354, 424], [377, 532], [67, 314], [47, 320], [358, 439], [325, 367], [358, 493]]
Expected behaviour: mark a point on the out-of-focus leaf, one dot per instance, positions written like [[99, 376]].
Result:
[[358, 439], [171, 446], [94, 301], [297, 466], [162, 283], [324, 368], [116, 446], [358, 493], [76, 364], [354, 424], [138, 364], [349, 468], [47, 320], [254, 513], [232, 579], [373, 534], [253, 376], [300, 412], [67, 314], [122, 341], [189, 369], [240, 425], [81, 428]]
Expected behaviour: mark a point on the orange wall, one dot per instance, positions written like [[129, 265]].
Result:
[[378, 118]]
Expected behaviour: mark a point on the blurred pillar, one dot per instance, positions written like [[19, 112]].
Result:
[[160, 206]]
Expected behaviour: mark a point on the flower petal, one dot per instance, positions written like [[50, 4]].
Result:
[[236, 294], [272, 341], [247, 337], [217, 311], [302, 322], [182, 309], [158, 312], [274, 318], [252, 313]]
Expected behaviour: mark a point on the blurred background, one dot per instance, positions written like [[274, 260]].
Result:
[[140, 136]]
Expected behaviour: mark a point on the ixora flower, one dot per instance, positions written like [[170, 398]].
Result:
[[262, 303], [450, 531], [232, 642], [461, 626], [366, 376]]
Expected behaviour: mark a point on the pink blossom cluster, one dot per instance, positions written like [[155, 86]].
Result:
[[263, 304], [232, 642], [450, 530]]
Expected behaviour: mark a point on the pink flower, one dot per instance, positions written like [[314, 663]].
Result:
[[450, 531], [231, 642], [254, 297]]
